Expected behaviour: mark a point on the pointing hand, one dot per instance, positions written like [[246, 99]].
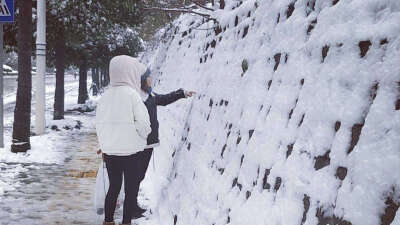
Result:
[[189, 93]]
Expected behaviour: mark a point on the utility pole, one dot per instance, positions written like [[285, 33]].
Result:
[[40, 122]]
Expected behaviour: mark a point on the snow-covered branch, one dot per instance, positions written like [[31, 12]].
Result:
[[202, 6], [181, 10]]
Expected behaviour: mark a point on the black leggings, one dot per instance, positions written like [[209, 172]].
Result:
[[144, 161], [116, 167]]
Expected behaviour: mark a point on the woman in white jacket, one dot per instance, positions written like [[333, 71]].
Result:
[[122, 125]]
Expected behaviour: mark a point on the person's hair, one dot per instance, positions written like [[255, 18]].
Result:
[[143, 79]]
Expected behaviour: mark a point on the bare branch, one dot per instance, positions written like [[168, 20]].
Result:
[[181, 11]]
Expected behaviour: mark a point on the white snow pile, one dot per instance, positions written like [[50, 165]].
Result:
[[296, 120]]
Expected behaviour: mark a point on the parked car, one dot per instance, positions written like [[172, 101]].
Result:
[[7, 70], [33, 70]]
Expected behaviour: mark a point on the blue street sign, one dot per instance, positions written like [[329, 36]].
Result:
[[6, 11]]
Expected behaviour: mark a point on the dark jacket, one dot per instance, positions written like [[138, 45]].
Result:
[[151, 103]]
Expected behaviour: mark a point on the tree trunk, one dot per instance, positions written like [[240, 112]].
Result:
[[83, 93], [98, 80], [95, 82], [107, 75], [60, 67], [22, 112]]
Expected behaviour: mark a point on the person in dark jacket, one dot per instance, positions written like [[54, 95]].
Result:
[[151, 101]]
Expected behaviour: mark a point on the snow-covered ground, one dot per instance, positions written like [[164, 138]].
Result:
[[39, 143], [53, 183], [308, 134]]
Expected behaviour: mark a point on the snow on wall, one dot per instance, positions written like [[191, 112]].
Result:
[[296, 120]]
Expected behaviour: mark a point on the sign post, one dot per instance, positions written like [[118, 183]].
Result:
[[6, 16], [1, 87], [40, 121]]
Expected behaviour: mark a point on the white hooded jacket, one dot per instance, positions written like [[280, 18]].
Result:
[[122, 120]]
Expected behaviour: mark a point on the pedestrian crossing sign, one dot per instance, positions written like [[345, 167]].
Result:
[[6, 10]]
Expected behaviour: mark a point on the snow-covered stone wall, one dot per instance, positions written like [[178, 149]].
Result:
[[296, 118]]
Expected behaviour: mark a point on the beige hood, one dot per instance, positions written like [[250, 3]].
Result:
[[126, 71]]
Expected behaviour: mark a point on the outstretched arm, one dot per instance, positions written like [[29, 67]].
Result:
[[169, 98]]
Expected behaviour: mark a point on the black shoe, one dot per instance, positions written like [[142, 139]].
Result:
[[138, 213]]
